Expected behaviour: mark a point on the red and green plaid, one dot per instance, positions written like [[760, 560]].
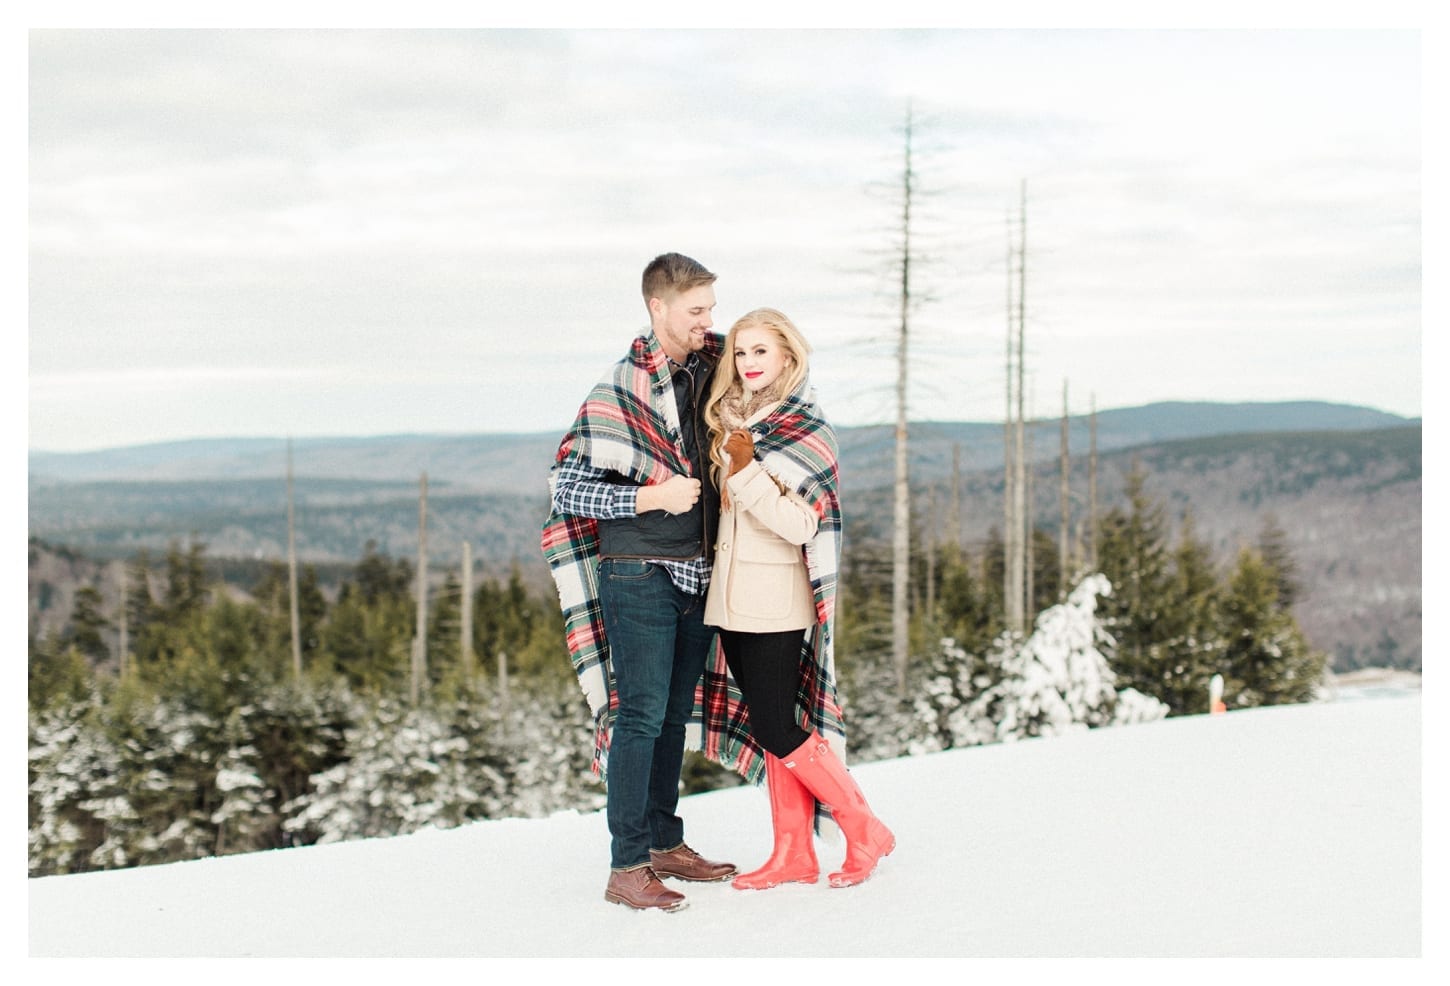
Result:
[[629, 424]]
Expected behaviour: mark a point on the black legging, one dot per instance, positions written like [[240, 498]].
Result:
[[766, 666]]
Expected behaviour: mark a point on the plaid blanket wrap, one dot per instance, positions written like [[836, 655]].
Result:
[[629, 424]]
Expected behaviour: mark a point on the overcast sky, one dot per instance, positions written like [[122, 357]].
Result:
[[353, 233]]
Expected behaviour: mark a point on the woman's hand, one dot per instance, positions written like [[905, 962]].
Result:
[[739, 449], [740, 446]]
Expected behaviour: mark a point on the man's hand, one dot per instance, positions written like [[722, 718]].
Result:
[[676, 495], [741, 449]]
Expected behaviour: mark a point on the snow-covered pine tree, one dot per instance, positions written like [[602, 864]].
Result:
[[942, 701], [394, 780], [72, 761], [879, 726], [243, 819], [1059, 679]]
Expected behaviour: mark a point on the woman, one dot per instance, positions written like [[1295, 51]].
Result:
[[772, 592]]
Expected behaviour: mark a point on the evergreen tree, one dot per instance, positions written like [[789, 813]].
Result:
[[401, 774], [509, 619], [879, 725], [186, 581], [166, 778], [379, 577], [941, 703], [1059, 679], [1269, 661], [273, 596], [1190, 637], [368, 635], [1273, 546], [445, 621], [969, 612], [73, 763], [140, 603], [87, 627], [1055, 680], [1134, 554], [1046, 569], [58, 674], [368, 643], [243, 817]]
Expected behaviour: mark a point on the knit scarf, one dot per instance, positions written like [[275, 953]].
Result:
[[630, 424], [736, 409]]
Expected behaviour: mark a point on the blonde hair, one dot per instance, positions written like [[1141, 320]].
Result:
[[727, 377]]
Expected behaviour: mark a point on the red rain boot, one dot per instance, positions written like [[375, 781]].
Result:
[[867, 838], [792, 815]]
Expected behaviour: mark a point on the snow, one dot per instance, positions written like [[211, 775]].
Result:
[[1292, 831]]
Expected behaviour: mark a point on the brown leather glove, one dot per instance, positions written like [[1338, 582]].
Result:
[[741, 449]]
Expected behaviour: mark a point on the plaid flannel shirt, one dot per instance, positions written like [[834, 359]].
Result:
[[583, 491]]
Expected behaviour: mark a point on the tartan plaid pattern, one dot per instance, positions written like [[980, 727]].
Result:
[[583, 492], [797, 446], [629, 424]]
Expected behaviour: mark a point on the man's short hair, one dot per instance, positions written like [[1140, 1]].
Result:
[[671, 274]]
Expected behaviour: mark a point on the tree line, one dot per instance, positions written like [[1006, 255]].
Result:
[[202, 740]]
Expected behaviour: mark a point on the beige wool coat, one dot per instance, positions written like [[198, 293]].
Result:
[[760, 583]]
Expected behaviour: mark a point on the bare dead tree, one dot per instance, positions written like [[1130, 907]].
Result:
[[292, 607], [1063, 491], [901, 513], [420, 635], [1028, 529], [1024, 524], [123, 659], [465, 619], [929, 545], [1010, 599], [956, 524], [1017, 538], [1092, 538]]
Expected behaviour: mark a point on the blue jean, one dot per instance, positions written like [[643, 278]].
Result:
[[658, 644]]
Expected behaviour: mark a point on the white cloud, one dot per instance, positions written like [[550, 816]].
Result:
[[407, 202]]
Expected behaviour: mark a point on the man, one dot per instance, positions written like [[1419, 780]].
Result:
[[630, 541]]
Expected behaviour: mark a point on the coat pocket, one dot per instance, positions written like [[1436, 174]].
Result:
[[768, 549]]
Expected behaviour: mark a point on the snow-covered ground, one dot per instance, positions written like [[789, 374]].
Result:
[[1291, 831]]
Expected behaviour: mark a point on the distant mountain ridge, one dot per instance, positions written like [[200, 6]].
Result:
[[517, 462]]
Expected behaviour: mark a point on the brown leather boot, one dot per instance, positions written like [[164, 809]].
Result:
[[638, 887], [867, 837], [683, 863]]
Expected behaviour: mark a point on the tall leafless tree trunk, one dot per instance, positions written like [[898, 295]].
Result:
[[1063, 489], [1017, 539], [929, 545], [1092, 538], [956, 525], [292, 607], [901, 527], [420, 638], [1024, 523], [1028, 529], [1011, 603], [465, 631], [123, 660]]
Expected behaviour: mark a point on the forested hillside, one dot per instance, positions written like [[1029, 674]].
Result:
[[1348, 503]]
